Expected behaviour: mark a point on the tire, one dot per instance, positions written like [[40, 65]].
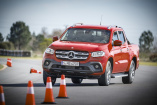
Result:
[[76, 80], [45, 75], [105, 79], [131, 74]]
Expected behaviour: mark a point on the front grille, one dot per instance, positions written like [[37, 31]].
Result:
[[72, 55]]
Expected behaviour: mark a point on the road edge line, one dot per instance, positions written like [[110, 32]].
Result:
[[4, 67]]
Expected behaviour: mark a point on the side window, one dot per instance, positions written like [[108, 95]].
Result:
[[121, 36], [115, 37]]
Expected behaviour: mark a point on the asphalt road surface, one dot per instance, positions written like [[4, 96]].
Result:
[[142, 92]]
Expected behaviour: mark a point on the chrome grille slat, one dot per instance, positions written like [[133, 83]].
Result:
[[78, 55], [59, 56], [61, 52]]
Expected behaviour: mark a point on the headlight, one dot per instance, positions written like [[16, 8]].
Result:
[[98, 54], [49, 51]]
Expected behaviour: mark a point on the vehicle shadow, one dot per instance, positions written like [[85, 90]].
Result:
[[56, 85], [76, 85], [79, 85]]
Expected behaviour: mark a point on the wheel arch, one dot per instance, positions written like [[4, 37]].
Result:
[[111, 60], [135, 60]]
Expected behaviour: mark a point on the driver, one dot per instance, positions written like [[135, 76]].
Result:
[[105, 37]]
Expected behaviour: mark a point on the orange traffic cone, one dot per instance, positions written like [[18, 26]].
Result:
[[34, 71], [2, 99], [49, 99], [62, 90], [9, 62], [30, 99]]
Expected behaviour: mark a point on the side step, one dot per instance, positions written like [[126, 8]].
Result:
[[118, 75]]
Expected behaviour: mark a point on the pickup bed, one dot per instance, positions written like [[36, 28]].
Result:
[[91, 52]]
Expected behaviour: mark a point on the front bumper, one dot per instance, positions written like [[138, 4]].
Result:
[[83, 69]]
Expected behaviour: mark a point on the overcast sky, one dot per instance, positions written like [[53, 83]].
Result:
[[134, 16]]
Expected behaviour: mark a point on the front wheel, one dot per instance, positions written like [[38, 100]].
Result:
[[131, 74], [45, 75], [105, 79]]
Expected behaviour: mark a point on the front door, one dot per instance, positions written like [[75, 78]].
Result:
[[124, 52], [116, 50]]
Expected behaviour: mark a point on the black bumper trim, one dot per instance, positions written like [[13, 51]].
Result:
[[87, 68]]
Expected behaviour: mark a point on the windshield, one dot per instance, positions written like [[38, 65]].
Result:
[[86, 35]]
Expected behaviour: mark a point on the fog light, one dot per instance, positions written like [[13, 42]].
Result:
[[47, 63], [96, 66]]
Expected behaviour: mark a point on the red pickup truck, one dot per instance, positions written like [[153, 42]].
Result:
[[91, 52]]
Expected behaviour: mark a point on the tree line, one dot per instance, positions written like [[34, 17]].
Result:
[[148, 46], [20, 38]]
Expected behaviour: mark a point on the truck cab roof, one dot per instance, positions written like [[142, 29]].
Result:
[[96, 27]]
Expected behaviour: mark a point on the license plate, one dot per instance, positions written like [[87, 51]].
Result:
[[67, 63]]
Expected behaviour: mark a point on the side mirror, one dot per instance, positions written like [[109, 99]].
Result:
[[55, 38], [117, 43]]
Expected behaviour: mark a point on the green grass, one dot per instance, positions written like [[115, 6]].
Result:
[[1, 66], [149, 63]]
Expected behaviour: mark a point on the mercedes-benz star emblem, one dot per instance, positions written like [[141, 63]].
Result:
[[71, 55]]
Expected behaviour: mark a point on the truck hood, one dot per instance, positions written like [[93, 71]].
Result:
[[79, 46]]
